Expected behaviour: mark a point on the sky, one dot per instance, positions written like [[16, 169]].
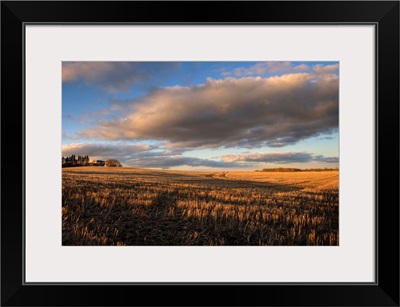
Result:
[[202, 115]]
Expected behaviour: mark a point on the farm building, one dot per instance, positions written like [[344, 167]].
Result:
[[113, 163]]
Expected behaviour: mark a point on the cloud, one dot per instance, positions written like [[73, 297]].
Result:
[[69, 116], [263, 68], [246, 112], [327, 69], [104, 150], [320, 158], [143, 156], [114, 76], [166, 162], [270, 157], [301, 67], [146, 156], [278, 157]]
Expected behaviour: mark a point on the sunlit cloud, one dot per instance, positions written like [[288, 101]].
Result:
[[263, 68], [232, 112], [327, 69]]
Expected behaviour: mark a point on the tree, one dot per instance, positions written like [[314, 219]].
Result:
[[73, 161], [113, 163]]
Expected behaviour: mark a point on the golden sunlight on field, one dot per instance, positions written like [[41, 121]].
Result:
[[127, 206]]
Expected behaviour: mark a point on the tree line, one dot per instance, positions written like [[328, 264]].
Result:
[[290, 169], [79, 160], [74, 160]]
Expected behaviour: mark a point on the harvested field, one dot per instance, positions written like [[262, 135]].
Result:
[[128, 206]]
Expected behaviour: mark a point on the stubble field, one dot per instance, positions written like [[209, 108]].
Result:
[[127, 206]]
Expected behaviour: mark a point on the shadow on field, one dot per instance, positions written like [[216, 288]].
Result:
[[155, 224], [165, 223]]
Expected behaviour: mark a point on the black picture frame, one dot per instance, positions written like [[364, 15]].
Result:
[[383, 14]]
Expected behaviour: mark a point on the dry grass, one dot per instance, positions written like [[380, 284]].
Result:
[[126, 206]]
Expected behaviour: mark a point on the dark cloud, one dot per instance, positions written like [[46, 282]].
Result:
[[170, 158], [271, 157], [278, 157], [115, 76], [320, 158], [244, 113], [166, 162], [69, 116]]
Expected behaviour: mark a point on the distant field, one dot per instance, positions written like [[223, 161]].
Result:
[[127, 206]]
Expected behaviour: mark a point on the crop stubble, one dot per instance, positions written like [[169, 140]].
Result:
[[127, 206]]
